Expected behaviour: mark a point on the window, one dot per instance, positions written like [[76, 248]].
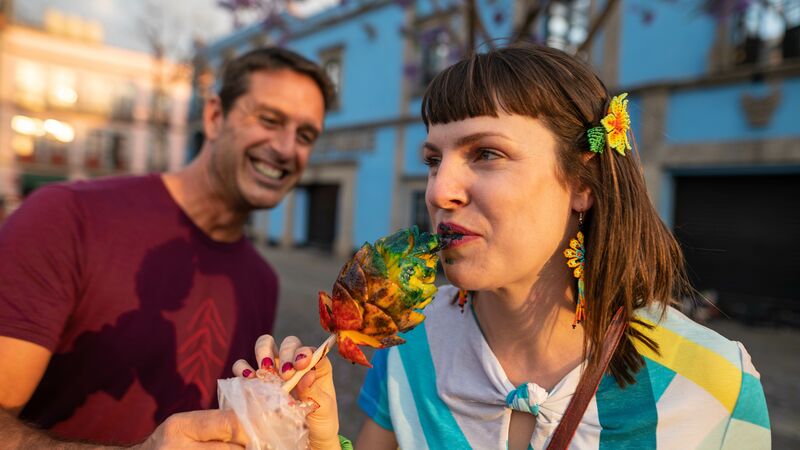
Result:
[[124, 99], [158, 159], [106, 150], [567, 24], [767, 32], [161, 106], [96, 95], [62, 91], [435, 54], [41, 141], [331, 60], [31, 85]]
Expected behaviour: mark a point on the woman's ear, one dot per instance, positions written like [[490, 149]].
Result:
[[582, 198], [582, 195]]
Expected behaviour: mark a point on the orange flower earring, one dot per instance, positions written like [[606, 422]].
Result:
[[575, 260]]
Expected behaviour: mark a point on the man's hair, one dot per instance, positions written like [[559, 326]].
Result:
[[236, 74]]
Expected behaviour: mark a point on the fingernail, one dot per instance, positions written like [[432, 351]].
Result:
[[246, 373], [314, 404], [267, 363], [299, 357], [286, 367]]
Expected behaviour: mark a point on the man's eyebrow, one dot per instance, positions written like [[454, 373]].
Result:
[[260, 108]]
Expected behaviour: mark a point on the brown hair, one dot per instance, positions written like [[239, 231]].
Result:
[[632, 260], [236, 75]]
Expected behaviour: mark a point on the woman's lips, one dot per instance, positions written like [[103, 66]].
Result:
[[454, 235]]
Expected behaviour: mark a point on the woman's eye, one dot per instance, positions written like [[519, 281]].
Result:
[[431, 161]]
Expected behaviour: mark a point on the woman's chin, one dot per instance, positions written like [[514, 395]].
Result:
[[461, 276]]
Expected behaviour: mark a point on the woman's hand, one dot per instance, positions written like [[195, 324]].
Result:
[[316, 386]]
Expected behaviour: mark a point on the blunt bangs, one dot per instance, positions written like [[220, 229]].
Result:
[[512, 80]]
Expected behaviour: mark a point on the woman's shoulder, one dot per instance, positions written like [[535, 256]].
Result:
[[688, 350], [676, 333]]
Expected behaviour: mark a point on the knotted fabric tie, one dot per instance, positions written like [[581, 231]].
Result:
[[526, 398]]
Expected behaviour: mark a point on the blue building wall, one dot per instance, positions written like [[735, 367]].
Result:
[[372, 67], [663, 40], [715, 113], [660, 43], [374, 190], [675, 45]]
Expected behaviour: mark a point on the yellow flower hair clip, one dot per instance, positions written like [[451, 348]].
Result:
[[614, 129]]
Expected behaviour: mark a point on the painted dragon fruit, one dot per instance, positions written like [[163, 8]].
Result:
[[379, 291]]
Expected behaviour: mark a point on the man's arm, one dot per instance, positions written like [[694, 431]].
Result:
[[23, 366], [212, 429]]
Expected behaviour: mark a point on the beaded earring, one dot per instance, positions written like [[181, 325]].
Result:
[[463, 295], [575, 260]]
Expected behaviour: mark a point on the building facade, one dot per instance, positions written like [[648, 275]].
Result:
[[715, 102], [73, 108]]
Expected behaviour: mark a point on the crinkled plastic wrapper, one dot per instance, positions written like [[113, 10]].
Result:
[[271, 418]]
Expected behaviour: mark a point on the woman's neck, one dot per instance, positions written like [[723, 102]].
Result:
[[529, 329]]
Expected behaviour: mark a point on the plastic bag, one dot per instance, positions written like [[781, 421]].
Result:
[[271, 418]]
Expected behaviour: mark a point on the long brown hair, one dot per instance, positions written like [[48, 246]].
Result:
[[632, 260]]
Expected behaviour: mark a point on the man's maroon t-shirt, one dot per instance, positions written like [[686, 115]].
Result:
[[142, 310]]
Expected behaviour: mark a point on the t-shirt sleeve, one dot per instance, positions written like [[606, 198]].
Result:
[[749, 424], [374, 399], [40, 266]]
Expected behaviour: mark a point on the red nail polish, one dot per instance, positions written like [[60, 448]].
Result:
[[286, 367], [246, 373], [267, 363], [299, 357]]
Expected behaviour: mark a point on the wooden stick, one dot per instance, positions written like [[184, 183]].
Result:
[[320, 353]]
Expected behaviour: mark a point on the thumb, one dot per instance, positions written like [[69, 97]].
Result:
[[211, 425]]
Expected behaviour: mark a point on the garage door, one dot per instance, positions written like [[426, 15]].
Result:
[[741, 238]]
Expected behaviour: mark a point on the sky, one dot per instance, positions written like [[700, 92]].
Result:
[[121, 19]]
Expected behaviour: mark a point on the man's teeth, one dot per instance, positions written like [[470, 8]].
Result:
[[267, 171]]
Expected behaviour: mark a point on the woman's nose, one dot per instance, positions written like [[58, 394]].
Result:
[[447, 186]]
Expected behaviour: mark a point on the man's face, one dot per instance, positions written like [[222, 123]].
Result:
[[260, 149]]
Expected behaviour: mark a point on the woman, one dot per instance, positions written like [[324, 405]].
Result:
[[532, 175]]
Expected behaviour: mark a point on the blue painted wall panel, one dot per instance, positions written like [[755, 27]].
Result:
[[674, 43], [372, 68], [275, 222], [415, 137], [716, 114], [300, 224], [374, 190]]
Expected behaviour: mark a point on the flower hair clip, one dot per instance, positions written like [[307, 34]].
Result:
[[613, 128]]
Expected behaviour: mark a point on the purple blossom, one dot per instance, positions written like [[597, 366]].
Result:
[[498, 17]]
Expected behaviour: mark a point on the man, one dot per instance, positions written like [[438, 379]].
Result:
[[122, 300]]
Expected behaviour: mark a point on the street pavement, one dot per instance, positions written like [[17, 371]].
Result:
[[305, 272]]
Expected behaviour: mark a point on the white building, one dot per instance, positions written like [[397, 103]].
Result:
[[73, 108]]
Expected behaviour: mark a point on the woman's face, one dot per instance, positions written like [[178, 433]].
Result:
[[494, 180]]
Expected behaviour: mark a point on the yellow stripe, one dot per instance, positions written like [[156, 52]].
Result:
[[704, 367]]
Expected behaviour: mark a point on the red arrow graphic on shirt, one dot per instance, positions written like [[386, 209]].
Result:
[[199, 358]]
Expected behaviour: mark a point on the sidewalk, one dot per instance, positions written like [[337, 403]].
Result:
[[303, 273]]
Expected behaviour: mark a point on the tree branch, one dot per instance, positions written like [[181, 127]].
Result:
[[598, 22]]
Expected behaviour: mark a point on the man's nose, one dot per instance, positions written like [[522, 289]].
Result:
[[284, 144], [447, 187]]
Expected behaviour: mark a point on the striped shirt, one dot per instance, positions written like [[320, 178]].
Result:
[[445, 389]]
